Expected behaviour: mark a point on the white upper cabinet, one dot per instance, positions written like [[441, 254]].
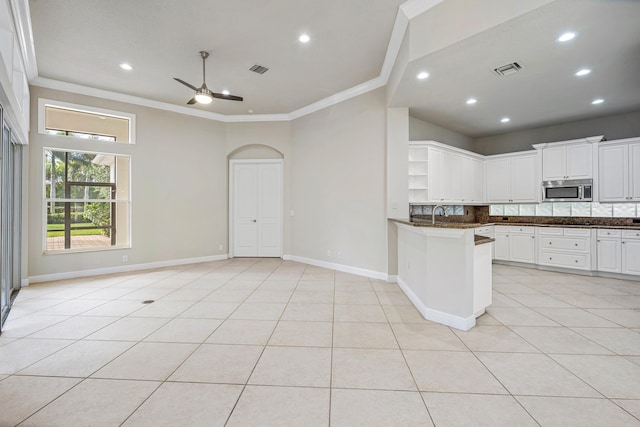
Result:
[[442, 174], [619, 171], [568, 159], [513, 178]]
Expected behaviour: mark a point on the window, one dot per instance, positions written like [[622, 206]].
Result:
[[87, 203], [79, 121]]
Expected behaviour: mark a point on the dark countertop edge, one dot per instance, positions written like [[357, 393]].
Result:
[[463, 225], [458, 225], [533, 224], [481, 240]]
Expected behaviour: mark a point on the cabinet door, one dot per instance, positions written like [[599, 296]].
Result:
[[613, 171], [454, 186], [477, 180], [631, 256], [609, 255], [436, 178], [523, 248], [525, 186], [554, 163], [498, 180], [634, 172], [579, 161], [467, 179], [501, 246]]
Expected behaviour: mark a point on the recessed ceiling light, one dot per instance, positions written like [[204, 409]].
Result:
[[126, 66], [304, 38], [566, 37], [505, 120], [597, 101], [422, 75], [471, 101], [583, 72], [225, 92]]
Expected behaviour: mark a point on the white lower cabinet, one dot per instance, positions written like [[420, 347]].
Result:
[[565, 247], [609, 251], [605, 249], [515, 243], [619, 251], [630, 252]]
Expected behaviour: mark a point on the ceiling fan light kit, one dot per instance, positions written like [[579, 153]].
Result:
[[202, 94]]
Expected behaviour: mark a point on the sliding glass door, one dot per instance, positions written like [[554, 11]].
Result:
[[10, 217]]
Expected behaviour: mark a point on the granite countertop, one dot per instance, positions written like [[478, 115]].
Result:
[[423, 223], [533, 224], [481, 240]]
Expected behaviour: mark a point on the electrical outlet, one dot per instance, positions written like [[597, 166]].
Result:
[[125, 258], [328, 252], [220, 247], [292, 213]]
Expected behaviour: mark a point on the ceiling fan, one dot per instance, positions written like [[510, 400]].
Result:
[[203, 95]]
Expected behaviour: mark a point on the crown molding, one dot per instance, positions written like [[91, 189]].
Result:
[[413, 8], [338, 97], [406, 12], [24, 32], [121, 97]]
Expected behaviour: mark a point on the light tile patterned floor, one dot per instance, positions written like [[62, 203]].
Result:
[[262, 342]]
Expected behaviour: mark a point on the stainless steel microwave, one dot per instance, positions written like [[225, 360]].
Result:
[[571, 190]]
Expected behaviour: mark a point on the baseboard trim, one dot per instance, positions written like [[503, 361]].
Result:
[[338, 267], [24, 282], [123, 268], [392, 278], [464, 324]]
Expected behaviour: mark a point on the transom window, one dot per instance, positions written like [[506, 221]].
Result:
[[78, 121]]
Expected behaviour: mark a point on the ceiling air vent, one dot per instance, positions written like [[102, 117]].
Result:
[[505, 70], [259, 69]]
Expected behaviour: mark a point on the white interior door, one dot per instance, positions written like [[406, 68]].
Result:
[[256, 208]]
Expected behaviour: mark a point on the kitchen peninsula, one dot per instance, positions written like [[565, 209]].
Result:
[[445, 270]]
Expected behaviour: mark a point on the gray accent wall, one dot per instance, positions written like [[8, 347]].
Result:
[[612, 127], [419, 130]]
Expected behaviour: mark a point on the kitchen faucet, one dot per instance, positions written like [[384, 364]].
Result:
[[433, 213]]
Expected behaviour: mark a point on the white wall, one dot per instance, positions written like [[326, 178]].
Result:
[[179, 188], [420, 130], [338, 183]]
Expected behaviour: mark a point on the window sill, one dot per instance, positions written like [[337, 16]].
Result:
[[85, 250]]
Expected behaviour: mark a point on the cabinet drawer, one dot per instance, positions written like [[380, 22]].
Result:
[[564, 244], [550, 231], [577, 232], [609, 233], [579, 261], [631, 234], [522, 230]]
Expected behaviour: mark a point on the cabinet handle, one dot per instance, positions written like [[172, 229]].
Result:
[[598, 241], [549, 242], [550, 258], [575, 244], [576, 260], [533, 237]]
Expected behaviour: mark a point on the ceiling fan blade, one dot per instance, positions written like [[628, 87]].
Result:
[[185, 83], [192, 101], [228, 97]]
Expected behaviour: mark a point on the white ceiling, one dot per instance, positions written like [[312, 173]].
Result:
[[83, 41], [545, 91]]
